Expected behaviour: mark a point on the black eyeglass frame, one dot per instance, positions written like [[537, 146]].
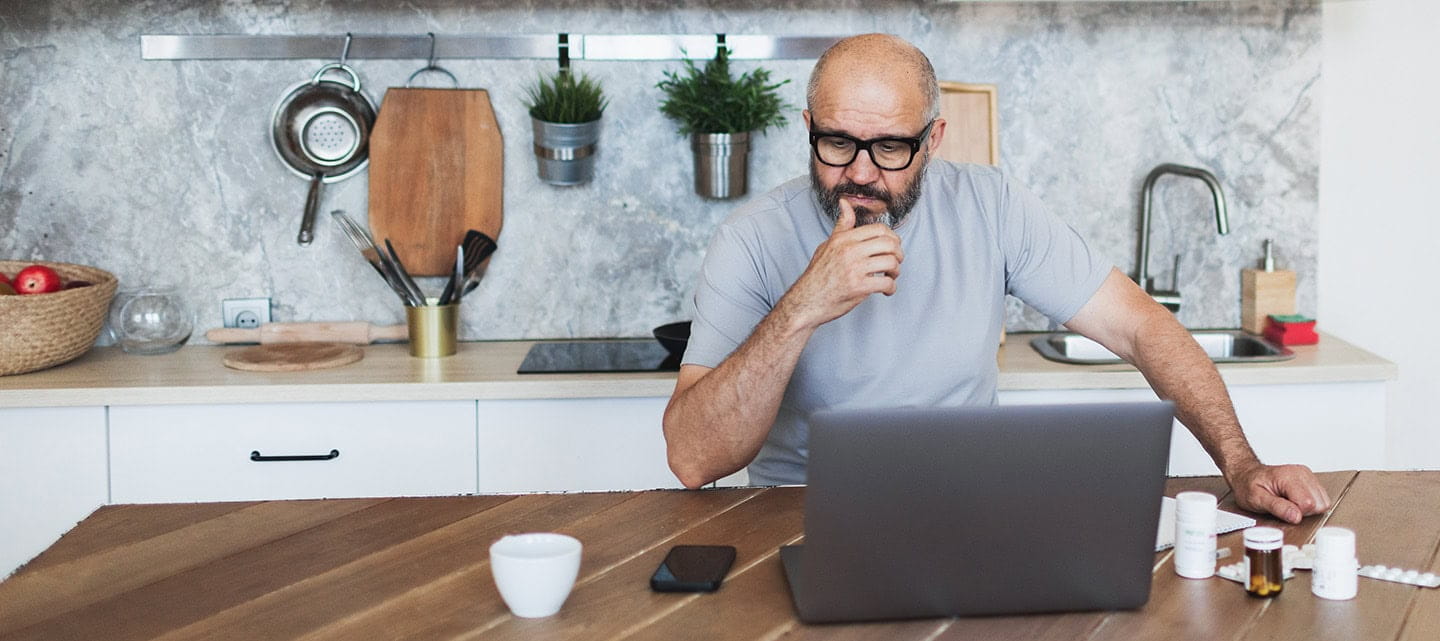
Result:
[[864, 145]]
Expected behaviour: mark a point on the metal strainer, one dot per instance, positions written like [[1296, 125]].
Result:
[[321, 131], [331, 136]]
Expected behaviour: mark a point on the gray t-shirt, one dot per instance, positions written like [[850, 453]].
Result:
[[973, 237]]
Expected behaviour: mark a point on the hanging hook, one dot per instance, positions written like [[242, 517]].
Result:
[[431, 66], [564, 52], [345, 53]]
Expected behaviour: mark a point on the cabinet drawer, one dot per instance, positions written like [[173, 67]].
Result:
[[573, 445], [182, 453]]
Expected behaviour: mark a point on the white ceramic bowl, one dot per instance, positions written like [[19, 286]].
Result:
[[534, 572]]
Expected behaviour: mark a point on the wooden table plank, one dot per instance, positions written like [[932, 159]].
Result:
[[62, 589], [466, 600], [1181, 608], [619, 600], [182, 598], [340, 596], [754, 595], [1423, 621], [112, 526], [1396, 519]]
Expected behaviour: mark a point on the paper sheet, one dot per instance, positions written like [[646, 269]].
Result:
[[1224, 522]]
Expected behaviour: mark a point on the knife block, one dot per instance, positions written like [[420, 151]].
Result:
[[1264, 293]]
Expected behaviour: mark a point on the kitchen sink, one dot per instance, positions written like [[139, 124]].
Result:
[[1221, 345]]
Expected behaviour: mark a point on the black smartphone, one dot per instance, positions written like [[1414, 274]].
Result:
[[693, 568]]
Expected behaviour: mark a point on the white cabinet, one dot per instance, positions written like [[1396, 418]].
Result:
[[52, 475], [288, 451], [573, 444], [1327, 426]]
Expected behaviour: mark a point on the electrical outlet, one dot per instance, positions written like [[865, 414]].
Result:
[[247, 313]]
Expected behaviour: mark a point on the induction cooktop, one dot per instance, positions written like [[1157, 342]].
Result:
[[588, 357]]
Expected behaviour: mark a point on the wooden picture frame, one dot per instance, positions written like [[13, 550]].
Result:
[[972, 132]]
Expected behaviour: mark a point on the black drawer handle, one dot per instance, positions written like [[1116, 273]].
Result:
[[334, 454]]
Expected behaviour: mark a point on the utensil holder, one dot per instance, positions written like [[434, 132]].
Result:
[[432, 330]]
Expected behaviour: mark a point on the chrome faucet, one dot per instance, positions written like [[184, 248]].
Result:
[[1171, 298]]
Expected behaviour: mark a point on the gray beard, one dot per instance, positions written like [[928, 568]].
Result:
[[897, 208]]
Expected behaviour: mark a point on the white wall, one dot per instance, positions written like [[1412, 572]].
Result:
[[1379, 261]]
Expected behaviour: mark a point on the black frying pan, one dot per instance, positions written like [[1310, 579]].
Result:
[[321, 130], [674, 336]]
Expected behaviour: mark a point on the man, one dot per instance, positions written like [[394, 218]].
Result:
[[786, 323]]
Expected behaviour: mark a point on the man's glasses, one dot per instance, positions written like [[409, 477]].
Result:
[[891, 154]]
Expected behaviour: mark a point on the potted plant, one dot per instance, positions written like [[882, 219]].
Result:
[[565, 111], [719, 112]]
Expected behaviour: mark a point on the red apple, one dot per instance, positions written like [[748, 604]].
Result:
[[37, 279]]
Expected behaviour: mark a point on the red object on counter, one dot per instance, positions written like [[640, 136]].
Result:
[[1291, 330]]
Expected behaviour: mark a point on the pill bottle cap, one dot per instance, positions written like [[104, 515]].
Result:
[[1335, 543], [1195, 500], [1191, 506], [1264, 538]]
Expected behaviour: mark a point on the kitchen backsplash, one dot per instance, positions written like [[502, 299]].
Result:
[[163, 170]]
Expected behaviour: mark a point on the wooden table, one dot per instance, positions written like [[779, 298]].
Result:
[[416, 569]]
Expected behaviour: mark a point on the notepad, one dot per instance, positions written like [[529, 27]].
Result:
[[1224, 522]]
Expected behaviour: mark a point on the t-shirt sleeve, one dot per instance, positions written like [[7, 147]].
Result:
[[1047, 263], [730, 299]]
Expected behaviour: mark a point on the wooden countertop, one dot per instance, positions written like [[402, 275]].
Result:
[[416, 568], [486, 370]]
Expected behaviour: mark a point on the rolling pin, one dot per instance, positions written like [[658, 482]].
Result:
[[355, 333]]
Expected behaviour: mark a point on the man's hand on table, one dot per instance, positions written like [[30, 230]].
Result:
[[1290, 492]]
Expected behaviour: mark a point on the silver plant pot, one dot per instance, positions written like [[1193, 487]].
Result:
[[720, 161], [565, 153]]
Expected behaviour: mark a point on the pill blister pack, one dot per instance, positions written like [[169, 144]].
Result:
[[1238, 573], [1397, 575]]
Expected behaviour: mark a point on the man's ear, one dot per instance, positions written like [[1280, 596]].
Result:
[[806, 114], [937, 134]]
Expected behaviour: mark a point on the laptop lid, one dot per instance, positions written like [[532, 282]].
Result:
[[989, 510]]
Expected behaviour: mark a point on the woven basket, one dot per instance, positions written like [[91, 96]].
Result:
[[44, 330]]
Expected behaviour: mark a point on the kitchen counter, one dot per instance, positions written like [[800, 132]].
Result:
[[486, 370], [416, 568]]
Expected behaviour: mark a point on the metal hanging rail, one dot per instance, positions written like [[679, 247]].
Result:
[[564, 46]]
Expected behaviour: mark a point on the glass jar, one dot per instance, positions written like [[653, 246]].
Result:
[[151, 320], [1263, 561]]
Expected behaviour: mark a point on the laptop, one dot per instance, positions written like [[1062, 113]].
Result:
[[914, 513]]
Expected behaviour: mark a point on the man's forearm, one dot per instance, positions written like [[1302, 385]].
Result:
[[717, 425], [1178, 370]]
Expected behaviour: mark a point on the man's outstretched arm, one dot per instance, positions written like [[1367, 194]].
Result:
[[1124, 319]]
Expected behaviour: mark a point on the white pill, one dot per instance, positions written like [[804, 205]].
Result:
[[1394, 573], [1428, 577], [1378, 569], [1412, 575]]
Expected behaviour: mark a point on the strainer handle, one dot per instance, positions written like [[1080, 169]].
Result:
[[354, 77], [312, 202]]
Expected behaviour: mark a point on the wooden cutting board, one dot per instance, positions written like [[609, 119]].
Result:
[[972, 130], [354, 332], [292, 357], [436, 170]]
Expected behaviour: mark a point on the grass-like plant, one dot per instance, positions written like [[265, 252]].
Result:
[[565, 98], [712, 101]]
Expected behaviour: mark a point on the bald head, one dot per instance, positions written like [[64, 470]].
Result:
[[880, 60]]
